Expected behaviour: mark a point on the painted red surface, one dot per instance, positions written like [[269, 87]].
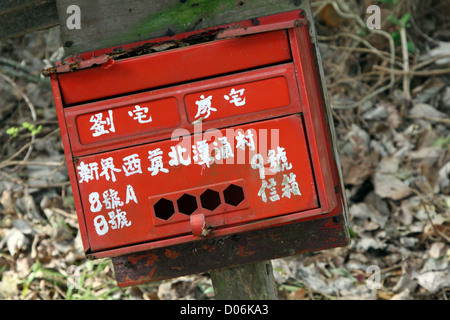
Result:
[[174, 66], [233, 130]]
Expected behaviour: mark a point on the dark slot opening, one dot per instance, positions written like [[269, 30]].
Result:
[[164, 209], [210, 199], [233, 195], [187, 204]]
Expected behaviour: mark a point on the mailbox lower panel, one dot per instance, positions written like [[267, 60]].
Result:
[[231, 176], [202, 256]]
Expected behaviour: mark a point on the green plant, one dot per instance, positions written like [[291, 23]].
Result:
[[391, 2], [38, 272], [14, 131], [442, 142], [90, 271], [404, 23]]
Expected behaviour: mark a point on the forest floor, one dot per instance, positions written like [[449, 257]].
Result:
[[390, 100]]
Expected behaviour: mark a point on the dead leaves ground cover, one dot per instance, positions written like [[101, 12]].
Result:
[[392, 126]]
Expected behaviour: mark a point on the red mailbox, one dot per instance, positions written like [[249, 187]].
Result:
[[201, 150]]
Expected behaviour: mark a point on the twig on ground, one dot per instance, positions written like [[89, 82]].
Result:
[[358, 19], [429, 61], [440, 120], [419, 192], [405, 56], [30, 106], [64, 213], [6, 163], [36, 163], [416, 28], [423, 73], [35, 186]]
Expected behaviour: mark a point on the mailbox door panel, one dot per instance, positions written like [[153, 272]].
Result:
[[231, 176]]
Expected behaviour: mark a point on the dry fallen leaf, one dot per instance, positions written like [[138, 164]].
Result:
[[438, 249], [405, 216], [15, 241], [297, 294], [442, 49], [404, 295], [389, 186], [7, 202], [354, 173], [427, 111], [384, 295], [433, 281]]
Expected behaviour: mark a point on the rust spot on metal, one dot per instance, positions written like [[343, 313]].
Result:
[[131, 279], [171, 254], [333, 224], [77, 61], [74, 66], [177, 268], [300, 23], [208, 248], [243, 252], [151, 259]]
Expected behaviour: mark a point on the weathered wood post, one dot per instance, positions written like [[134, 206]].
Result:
[[248, 282]]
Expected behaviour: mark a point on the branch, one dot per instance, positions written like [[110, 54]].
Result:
[[30, 106], [406, 88], [8, 161], [414, 73], [391, 49]]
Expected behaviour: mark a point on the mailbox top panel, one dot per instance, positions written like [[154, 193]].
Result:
[[180, 65]]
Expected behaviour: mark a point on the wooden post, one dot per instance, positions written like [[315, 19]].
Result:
[[104, 24], [19, 17], [247, 282]]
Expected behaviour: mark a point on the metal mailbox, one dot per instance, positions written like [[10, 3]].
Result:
[[201, 150]]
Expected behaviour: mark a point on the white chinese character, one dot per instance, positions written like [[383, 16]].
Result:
[[94, 200], [281, 154], [225, 151], [201, 153], [130, 195], [257, 162], [278, 161], [108, 169], [247, 140], [235, 97], [176, 156], [290, 186], [274, 161], [131, 165], [111, 199], [101, 226], [272, 191], [88, 172], [140, 114], [118, 219], [99, 124], [204, 107], [156, 163]]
